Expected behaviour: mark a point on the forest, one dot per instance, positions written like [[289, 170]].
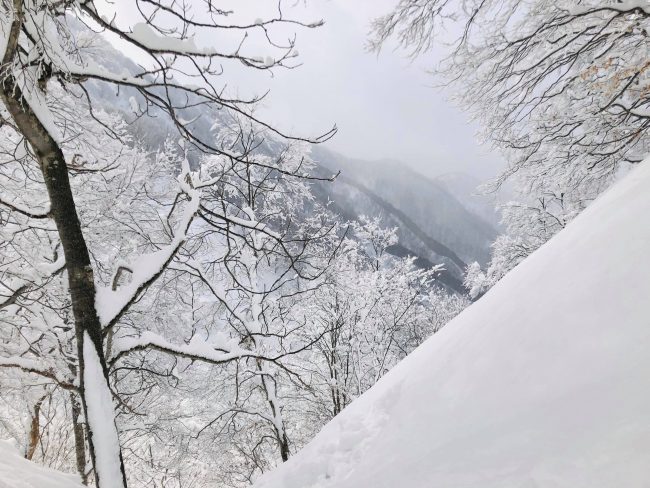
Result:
[[190, 292]]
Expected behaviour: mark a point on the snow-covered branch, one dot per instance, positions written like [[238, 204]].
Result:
[[38, 368], [112, 302]]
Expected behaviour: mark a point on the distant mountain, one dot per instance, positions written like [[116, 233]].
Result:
[[434, 226], [433, 223], [351, 200], [465, 188]]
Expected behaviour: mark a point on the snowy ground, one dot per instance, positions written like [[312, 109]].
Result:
[[17, 472], [545, 382]]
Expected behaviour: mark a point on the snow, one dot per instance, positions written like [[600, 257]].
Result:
[[621, 6], [111, 303], [18, 472], [24, 209], [40, 367], [541, 383], [100, 415], [49, 268], [35, 98], [133, 103], [145, 35], [220, 350]]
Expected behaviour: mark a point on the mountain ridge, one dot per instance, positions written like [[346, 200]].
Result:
[[436, 213]]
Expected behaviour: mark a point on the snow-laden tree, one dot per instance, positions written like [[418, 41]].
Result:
[[46, 52], [561, 89], [38, 326], [561, 86], [528, 224], [208, 306], [162, 307], [363, 314], [238, 283], [375, 309], [189, 410]]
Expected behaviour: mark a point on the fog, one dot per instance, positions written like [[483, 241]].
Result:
[[385, 106]]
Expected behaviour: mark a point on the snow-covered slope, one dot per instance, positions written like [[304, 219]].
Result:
[[543, 383], [17, 472]]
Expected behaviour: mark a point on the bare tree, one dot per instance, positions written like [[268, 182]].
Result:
[[561, 89], [44, 50]]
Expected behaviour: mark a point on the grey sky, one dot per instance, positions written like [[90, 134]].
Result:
[[385, 106]]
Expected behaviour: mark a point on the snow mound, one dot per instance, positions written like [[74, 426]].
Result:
[[543, 383], [18, 472]]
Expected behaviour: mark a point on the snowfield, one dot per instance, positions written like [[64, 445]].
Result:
[[17, 472], [544, 382]]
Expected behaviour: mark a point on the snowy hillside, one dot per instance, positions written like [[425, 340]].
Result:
[[541, 383], [465, 188], [17, 472], [434, 225], [427, 204]]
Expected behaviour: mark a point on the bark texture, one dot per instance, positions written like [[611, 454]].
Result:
[[63, 211]]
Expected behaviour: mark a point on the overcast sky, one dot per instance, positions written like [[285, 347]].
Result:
[[385, 106]]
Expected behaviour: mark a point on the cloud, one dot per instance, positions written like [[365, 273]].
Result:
[[385, 105]]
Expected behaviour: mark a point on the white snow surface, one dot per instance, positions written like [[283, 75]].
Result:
[[543, 383], [18, 472], [101, 418]]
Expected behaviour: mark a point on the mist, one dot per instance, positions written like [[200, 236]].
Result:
[[386, 105]]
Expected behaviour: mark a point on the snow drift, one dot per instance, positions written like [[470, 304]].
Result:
[[544, 382], [17, 472]]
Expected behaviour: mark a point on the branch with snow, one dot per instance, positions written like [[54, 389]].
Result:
[[23, 210], [218, 352], [112, 303], [38, 368]]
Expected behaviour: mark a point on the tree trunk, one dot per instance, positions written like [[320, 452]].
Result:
[[34, 430], [79, 438], [284, 448], [280, 432], [63, 211]]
